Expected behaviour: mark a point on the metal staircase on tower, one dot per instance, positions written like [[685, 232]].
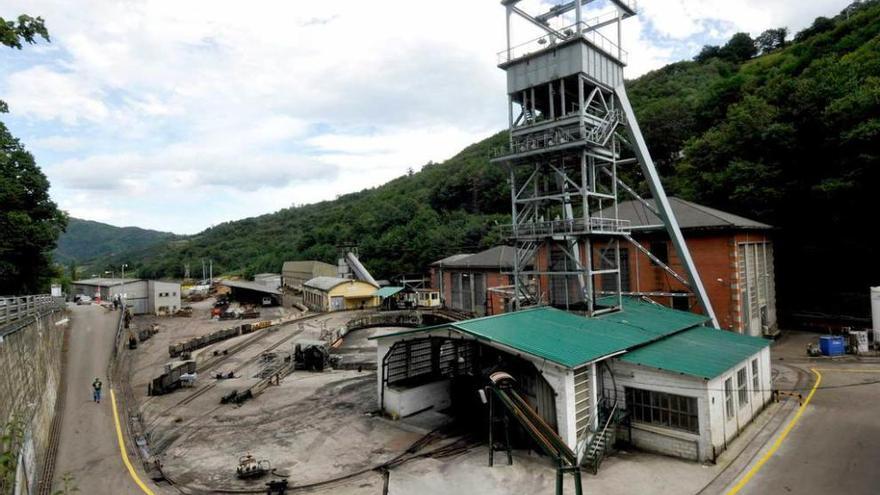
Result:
[[572, 131]]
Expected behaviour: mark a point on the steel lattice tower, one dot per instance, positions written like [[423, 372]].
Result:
[[572, 130]]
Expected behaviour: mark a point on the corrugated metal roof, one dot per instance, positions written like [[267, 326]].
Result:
[[450, 259], [254, 286], [701, 352], [105, 282], [309, 266], [325, 283], [388, 291], [497, 257], [689, 215], [571, 340]]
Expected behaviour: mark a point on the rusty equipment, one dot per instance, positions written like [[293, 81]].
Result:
[[249, 467], [174, 377]]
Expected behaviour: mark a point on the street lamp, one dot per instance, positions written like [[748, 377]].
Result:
[[124, 266]]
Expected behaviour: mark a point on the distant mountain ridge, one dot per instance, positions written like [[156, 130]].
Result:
[[787, 137], [87, 240]]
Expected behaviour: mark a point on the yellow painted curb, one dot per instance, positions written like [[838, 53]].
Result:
[[122, 452], [757, 467]]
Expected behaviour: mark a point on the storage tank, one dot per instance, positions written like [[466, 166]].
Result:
[[875, 312], [832, 345]]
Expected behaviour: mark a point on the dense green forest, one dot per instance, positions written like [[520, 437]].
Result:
[[783, 131], [86, 240]]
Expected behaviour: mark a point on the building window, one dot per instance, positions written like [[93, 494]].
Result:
[[755, 378], [609, 280], [728, 397], [681, 303], [660, 408], [660, 250], [742, 384]]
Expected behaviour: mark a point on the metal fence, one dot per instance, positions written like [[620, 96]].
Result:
[[566, 227], [16, 309]]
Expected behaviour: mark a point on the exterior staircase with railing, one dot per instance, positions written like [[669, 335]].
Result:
[[603, 439], [600, 134]]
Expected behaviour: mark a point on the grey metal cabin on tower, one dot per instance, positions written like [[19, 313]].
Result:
[[572, 130]]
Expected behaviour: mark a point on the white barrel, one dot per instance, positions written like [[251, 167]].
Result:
[[875, 312]]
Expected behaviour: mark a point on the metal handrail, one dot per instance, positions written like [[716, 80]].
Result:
[[564, 227], [15, 308], [601, 433], [588, 33]]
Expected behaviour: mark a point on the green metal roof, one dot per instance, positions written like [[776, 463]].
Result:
[[388, 291], [701, 352], [571, 340]]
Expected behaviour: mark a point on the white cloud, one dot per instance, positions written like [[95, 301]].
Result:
[[46, 94], [166, 106], [680, 19], [56, 143]]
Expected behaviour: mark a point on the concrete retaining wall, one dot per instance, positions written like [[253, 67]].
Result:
[[30, 376]]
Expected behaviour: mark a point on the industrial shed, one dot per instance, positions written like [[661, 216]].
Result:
[[252, 292], [142, 296], [572, 370], [733, 254], [335, 294], [476, 283], [296, 273]]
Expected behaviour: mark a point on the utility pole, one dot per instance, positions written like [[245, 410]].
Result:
[[211, 271], [123, 286]]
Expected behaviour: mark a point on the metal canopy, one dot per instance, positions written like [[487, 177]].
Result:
[[570, 340], [700, 352]]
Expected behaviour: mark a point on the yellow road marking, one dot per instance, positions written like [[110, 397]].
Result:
[[848, 370], [757, 467], [122, 450]]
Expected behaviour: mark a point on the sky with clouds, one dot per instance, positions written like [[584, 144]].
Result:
[[178, 115]]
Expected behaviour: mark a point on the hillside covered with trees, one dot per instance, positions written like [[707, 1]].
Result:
[[785, 131], [86, 240]]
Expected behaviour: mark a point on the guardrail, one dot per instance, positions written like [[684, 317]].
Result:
[[18, 308], [564, 227], [588, 33]]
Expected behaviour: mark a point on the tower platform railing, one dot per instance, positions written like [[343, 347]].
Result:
[[589, 32], [543, 229]]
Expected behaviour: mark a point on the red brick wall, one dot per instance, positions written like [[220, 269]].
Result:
[[714, 255], [494, 301]]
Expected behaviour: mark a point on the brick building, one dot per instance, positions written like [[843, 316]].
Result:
[[733, 254], [475, 283]]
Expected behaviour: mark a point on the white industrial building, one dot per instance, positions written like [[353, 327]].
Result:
[[667, 383], [142, 296]]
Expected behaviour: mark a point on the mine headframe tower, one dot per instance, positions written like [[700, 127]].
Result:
[[572, 129]]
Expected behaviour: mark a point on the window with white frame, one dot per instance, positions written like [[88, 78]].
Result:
[[728, 397], [755, 377], [742, 385], [663, 409]]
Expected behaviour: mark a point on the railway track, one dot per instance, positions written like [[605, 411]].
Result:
[[235, 350]]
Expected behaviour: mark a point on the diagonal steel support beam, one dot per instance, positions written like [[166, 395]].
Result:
[[558, 10], [632, 192], [657, 261], [662, 203], [543, 25]]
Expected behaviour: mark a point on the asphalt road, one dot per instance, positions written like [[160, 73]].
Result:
[[835, 447], [88, 448]]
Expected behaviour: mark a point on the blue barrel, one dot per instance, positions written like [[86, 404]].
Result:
[[832, 345]]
